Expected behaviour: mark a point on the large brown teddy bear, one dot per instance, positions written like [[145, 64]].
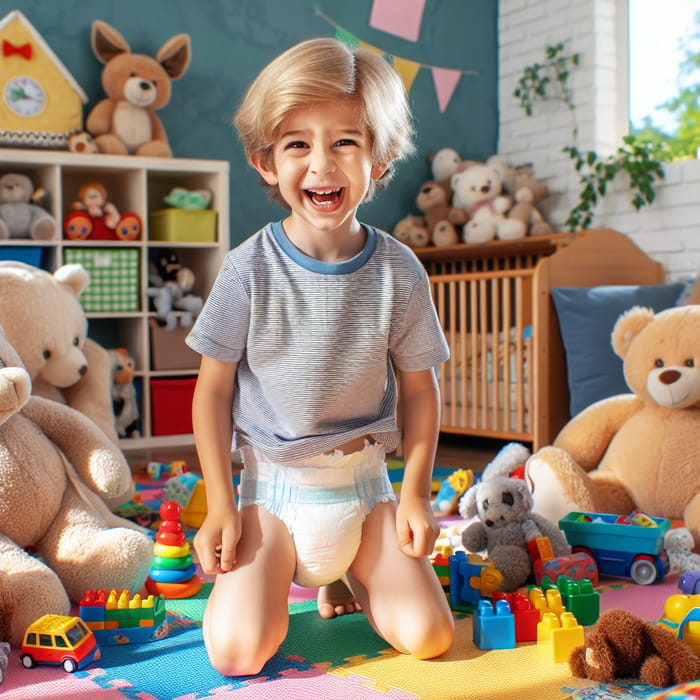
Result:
[[136, 86], [43, 319], [639, 450], [623, 645], [56, 466]]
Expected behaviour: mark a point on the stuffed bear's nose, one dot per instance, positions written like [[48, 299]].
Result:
[[669, 376]]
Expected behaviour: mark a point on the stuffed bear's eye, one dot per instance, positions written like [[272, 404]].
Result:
[[2, 363], [659, 363], [76, 341], [46, 354], [485, 504], [689, 363], [507, 498]]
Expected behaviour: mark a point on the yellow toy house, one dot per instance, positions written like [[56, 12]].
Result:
[[41, 104]]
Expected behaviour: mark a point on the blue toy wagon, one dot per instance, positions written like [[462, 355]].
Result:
[[622, 546]]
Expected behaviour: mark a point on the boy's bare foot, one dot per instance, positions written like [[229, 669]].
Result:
[[336, 599]]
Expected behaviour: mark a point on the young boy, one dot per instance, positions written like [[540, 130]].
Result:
[[309, 327]]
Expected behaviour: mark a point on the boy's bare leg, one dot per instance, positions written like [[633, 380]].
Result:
[[246, 618], [401, 596], [336, 599]]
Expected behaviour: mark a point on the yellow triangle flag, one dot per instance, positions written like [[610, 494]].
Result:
[[407, 70], [373, 49]]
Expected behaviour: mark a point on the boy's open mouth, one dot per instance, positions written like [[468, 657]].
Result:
[[324, 197]]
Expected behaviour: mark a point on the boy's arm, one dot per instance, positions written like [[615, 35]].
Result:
[[211, 419], [420, 413]]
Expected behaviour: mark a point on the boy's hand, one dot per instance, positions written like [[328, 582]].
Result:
[[216, 541], [416, 527]]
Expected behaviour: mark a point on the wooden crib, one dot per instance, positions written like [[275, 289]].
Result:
[[506, 377]]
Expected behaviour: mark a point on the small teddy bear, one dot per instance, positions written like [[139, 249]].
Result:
[[506, 522], [136, 86], [478, 189], [20, 217], [679, 544], [444, 163], [623, 645], [442, 219], [412, 230], [528, 193]]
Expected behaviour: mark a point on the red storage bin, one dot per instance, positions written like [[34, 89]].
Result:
[[171, 405]]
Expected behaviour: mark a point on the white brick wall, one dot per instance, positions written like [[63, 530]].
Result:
[[669, 230]]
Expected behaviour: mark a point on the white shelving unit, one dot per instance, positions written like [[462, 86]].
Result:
[[137, 185]]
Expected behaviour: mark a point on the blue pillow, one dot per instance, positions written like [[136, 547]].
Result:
[[587, 316]]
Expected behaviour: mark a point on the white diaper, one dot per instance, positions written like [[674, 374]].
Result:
[[323, 501]]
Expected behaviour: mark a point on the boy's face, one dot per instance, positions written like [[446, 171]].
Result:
[[322, 164]]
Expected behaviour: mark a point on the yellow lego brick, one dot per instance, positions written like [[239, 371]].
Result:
[[566, 638], [546, 626]]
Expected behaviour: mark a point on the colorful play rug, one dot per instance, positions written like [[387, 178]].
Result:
[[339, 659]]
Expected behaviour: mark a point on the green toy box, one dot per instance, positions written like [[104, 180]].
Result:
[[114, 278], [182, 225]]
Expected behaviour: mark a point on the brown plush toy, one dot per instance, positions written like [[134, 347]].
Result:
[[136, 85], [623, 645], [639, 450], [441, 218], [528, 193]]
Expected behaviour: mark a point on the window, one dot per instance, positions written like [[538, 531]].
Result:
[[664, 73]]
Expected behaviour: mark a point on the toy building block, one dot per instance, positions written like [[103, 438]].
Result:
[[540, 549], [560, 635], [173, 573], [115, 618], [525, 615], [189, 491], [441, 565], [471, 578], [580, 599], [548, 601], [493, 625]]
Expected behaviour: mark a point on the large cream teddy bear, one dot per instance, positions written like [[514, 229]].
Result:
[[43, 319], [478, 189], [639, 450], [56, 466]]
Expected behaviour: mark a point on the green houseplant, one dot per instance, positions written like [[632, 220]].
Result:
[[639, 160]]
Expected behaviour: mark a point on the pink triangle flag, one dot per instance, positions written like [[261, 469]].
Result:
[[399, 17], [445, 81]]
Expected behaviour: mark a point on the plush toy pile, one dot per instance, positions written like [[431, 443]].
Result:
[[474, 202], [639, 450]]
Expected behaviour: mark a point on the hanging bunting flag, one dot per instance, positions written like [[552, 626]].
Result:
[[444, 79], [373, 49], [350, 40], [399, 17], [408, 70], [445, 82]]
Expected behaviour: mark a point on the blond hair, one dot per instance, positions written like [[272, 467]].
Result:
[[321, 70]]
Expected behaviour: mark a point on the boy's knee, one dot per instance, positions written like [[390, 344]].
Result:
[[235, 654], [240, 659], [434, 641]]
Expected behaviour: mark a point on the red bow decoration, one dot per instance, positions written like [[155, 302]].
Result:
[[9, 49]]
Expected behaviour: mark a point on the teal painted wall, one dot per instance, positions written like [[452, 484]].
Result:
[[233, 39]]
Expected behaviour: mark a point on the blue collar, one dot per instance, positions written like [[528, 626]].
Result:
[[319, 266]]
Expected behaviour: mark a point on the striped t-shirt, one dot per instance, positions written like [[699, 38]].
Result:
[[315, 341]]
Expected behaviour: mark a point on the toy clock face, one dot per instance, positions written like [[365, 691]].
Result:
[[25, 96]]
